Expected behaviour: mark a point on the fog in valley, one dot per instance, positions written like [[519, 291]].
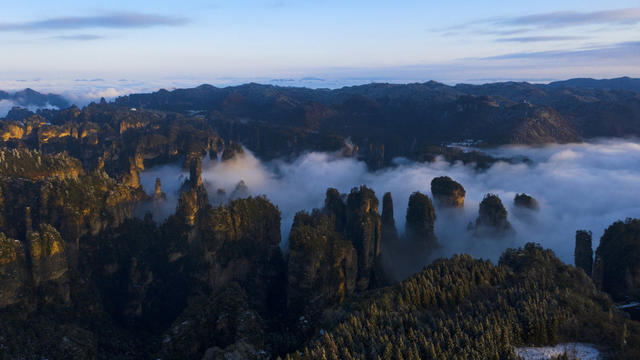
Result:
[[579, 186]]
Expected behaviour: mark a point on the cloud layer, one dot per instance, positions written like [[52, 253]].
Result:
[[6, 105], [630, 16], [526, 39], [579, 186], [110, 21]]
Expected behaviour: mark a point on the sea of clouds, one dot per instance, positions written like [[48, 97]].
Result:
[[579, 186]]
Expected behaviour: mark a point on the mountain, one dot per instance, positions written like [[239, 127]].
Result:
[[385, 121], [82, 277], [621, 83], [31, 98]]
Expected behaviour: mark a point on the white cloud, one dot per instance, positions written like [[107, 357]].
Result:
[[579, 186]]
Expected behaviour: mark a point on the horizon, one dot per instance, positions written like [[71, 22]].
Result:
[[88, 51], [75, 97]]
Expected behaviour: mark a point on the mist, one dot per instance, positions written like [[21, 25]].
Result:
[[6, 105], [579, 186]]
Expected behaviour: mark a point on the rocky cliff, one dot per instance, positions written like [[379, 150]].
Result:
[[421, 218], [389, 231], [492, 218], [617, 269], [34, 272], [344, 239], [447, 192], [583, 255], [527, 202]]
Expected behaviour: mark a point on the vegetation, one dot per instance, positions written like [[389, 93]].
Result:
[[80, 277], [617, 267], [421, 217], [464, 308], [583, 255], [447, 191]]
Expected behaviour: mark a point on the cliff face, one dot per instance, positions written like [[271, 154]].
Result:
[[334, 252], [492, 218], [13, 271], [421, 218], [323, 266], [86, 205], [49, 268], [60, 193], [194, 196], [34, 272], [231, 150], [525, 201], [364, 230], [447, 192], [34, 165], [617, 269], [583, 255], [389, 231], [240, 242]]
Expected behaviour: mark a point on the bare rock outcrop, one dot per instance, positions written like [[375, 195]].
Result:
[[492, 218], [421, 218], [447, 192]]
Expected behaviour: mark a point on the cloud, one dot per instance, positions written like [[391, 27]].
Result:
[[630, 16], [625, 50], [114, 20], [527, 39], [79, 37], [567, 180], [6, 105], [539, 25]]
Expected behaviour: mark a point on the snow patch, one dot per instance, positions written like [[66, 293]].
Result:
[[573, 350]]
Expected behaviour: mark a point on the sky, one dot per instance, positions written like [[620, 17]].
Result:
[[134, 45]]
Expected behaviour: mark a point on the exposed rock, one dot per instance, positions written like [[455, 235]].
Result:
[[34, 274], [191, 202], [583, 255], [231, 150], [617, 269], [364, 230], [194, 197], [525, 201], [492, 218], [447, 192], [323, 265], [334, 252], [389, 231], [421, 217], [240, 242], [49, 267], [240, 191], [11, 130], [76, 206], [18, 113], [158, 195], [334, 205], [13, 271], [34, 165], [132, 178]]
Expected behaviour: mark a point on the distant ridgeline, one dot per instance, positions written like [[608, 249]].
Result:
[[32, 98], [80, 277], [384, 121]]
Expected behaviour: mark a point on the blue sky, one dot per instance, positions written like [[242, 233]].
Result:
[[349, 40]]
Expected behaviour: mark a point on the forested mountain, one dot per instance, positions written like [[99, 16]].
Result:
[[389, 120], [82, 277], [32, 98]]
